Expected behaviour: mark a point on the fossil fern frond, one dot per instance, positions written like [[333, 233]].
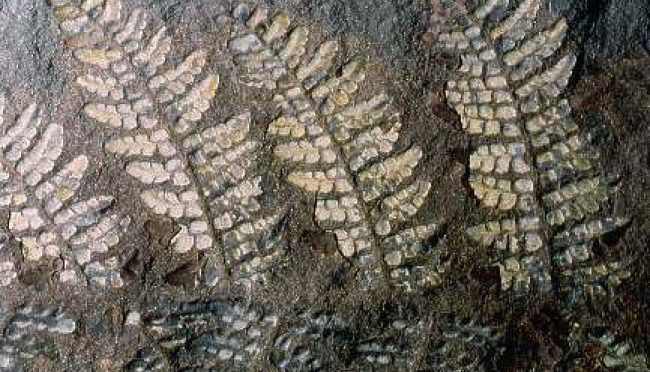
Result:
[[25, 335], [528, 161], [202, 177], [339, 148], [466, 346], [620, 356], [219, 333], [599, 347], [45, 215]]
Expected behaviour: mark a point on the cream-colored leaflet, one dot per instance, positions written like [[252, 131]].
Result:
[[528, 161], [191, 171], [46, 216], [340, 148]]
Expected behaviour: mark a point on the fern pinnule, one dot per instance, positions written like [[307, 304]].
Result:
[[529, 163], [45, 215], [27, 334], [340, 149], [201, 176]]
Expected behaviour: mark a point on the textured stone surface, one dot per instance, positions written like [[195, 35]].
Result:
[[127, 271], [609, 28]]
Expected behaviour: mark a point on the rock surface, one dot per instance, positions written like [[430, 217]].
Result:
[[148, 305]]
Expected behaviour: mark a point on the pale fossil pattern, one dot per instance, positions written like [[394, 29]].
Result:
[[220, 334], [600, 347], [146, 360], [202, 177], [529, 163], [619, 356], [7, 266], [340, 149], [394, 347], [26, 334], [45, 215], [309, 341], [462, 345], [466, 346]]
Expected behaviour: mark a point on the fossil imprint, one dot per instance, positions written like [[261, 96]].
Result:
[[217, 333], [27, 334], [204, 179], [45, 215], [341, 149], [529, 162]]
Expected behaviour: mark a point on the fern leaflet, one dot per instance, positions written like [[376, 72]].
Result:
[[340, 150], [44, 215], [203, 178], [216, 334], [620, 356], [221, 334], [25, 335], [529, 163]]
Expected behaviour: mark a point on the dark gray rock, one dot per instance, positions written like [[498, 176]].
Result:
[[30, 59], [608, 28], [27, 44], [603, 28], [392, 26]]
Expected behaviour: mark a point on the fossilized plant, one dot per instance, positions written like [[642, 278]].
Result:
[[339, 148], [466, 346], [618, 355], [462, 346], [529, 163], [7, 266], [26, 334], [598, 347], [202, 176], [221, 334], [45, 215]]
